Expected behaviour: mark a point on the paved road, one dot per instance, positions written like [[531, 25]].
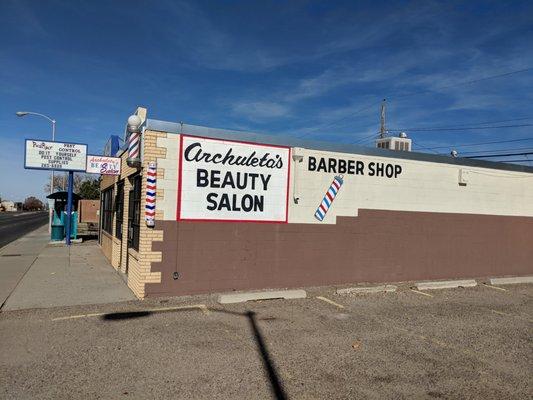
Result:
[[15, 225], [470, 343]]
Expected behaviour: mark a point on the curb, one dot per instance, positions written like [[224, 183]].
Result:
[[445, 284], [269, 295], [367, 289], [512, 280]]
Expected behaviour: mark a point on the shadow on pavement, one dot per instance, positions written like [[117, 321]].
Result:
[[125, 315], [270, 369]]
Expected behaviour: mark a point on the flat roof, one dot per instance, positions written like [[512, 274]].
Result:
[[289, 141]]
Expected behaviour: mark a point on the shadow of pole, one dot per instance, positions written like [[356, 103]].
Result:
[[275, 382], [268, 364]]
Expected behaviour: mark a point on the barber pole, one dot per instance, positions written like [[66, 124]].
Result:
[[133, 145], [134, 141], [330, 195], [149, 208]]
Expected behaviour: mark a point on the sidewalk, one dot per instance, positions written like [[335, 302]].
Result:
[[45, 276], [17, 257]]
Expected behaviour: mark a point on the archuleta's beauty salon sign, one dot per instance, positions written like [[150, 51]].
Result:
[[232, 181]]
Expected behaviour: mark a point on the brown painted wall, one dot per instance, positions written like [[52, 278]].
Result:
[[88, 210], [376, 246]]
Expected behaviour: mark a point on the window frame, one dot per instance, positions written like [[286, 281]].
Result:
[[134, 212], [119, 209], [107, 210]]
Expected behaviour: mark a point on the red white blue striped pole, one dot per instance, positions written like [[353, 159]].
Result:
[[134, 141], [151, 185], [133, 145], [330, 195]]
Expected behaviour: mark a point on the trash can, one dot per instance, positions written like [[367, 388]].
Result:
[[58, 229], [73, 224]]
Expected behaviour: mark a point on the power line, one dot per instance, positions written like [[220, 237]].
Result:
[[492, 151], [465, 125], [470, 82], [482, 143], [478, 123], [366, 138], [457, 129], [416, 93], [426, 148], [502, 155], [340, 120]]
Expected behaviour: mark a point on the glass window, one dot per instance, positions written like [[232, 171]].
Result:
[[119, 209], [134, 213], [107, 210]]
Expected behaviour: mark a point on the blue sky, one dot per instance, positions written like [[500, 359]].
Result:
[[300, 68]]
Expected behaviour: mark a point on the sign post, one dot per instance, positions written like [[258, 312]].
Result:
[[69, 206]]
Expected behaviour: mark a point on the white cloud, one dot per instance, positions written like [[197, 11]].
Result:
[[260, 110]]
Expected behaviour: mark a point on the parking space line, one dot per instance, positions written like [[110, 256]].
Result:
[[511, 315], [330, 302], [494, 287], [78, 316], [412, 333], [202, 307], [422, 293]]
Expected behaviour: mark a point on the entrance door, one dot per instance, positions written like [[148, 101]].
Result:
[[119, 213], [134, 215], [129, 242]]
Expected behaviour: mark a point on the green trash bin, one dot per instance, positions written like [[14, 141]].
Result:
[[58, 229]]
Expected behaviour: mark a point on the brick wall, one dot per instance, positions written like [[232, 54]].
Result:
[[139, 269]]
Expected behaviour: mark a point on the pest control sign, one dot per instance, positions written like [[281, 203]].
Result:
[[103, 165], [232, 181], [55, 155]]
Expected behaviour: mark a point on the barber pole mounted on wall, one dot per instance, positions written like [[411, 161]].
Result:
[[330, 195], [149, 208], [134, 141]]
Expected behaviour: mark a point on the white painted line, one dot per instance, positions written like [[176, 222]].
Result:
[[512, 315], [422, 293], [78, 316], [445, 284], [368, 289], [267, 295], [330, 301], [512, 280], [494, 287], [201, 307]]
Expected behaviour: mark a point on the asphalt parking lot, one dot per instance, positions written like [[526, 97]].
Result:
[[457, 343]]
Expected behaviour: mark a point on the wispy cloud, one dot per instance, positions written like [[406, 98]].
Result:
[[260, 110]]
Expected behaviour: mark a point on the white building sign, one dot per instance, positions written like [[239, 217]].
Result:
[[232, 181], [103, 165], [55, 155]]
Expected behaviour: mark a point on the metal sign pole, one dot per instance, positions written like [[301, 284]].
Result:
[[69, 205]]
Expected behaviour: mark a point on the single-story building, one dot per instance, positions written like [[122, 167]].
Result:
[[8, 206], [199, 210]]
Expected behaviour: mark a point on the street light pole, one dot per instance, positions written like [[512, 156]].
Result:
[[53, 121]]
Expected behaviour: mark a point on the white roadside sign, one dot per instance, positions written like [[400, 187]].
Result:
[[103, 165], [223, 180], [40, 154]]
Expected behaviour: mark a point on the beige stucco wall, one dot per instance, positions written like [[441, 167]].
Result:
[[421, 186]]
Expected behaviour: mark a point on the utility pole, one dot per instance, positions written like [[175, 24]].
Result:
[[382, 130]]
